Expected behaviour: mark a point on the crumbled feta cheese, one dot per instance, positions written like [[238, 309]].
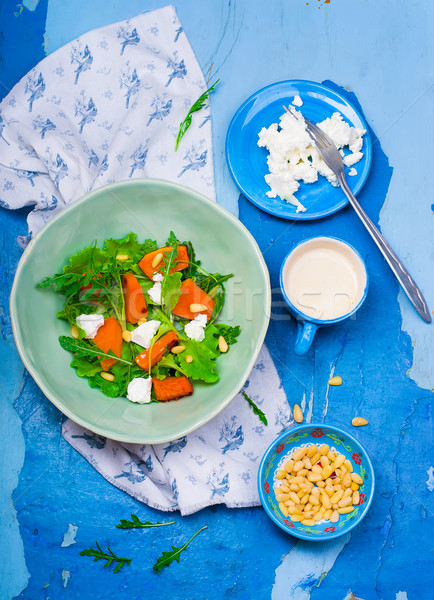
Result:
[[139, 390], [157, 277], [143, 334], [352, 172], [90, 324], [195, 328], [155, 292], [297, 101], [352, 159], [293, 157]]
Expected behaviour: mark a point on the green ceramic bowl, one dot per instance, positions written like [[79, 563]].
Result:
[[151, 208]]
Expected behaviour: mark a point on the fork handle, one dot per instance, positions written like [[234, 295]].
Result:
[[407, 282]]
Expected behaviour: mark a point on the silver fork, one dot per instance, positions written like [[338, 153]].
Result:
[[330, 155]]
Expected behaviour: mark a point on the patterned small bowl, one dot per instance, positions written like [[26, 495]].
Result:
[[300, 436]]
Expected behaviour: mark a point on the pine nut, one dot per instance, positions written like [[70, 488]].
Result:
[[74, 332], [157, 259], [313, 500], [314, 477], [348, 492], [296, 518], [335, 380], [345, 502], [328, 514], [298, 414], [284, 488], [303, 471], [307, 463], [289, 465], [346, 480], [107, 376], [359, 421], [354, 487], [298, 465], [280, 474], [336, 497], [356, 478], [315, 458], [294, 487], [283, 509], [298, 454], [334, 517], [331, 456], [308, 508], [317, 469], [315, 492], [195, 308], [300, 493], [311, 451], [122, 257], [320, 484], [329, 490], [308, 522], [345, 510], [340, 459], [126, 335], [177, 349], [189, 359], [293, 510], [319, 516], [323, 450], [223, 346], [356, 498], [325, 461], [281, 497], [326, 501], [293, 496], [304, 499], [326, 472], [349, 465], [142, 320]]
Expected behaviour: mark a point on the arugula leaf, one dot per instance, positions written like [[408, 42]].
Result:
[[204, 356], [85, 368], [83, 349], [108, 556], [168, 557], [256, 409], [198, 105], [137, 524], [229, 333], [170, 291], [162, 369]]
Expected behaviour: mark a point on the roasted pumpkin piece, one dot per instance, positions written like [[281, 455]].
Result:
[[152, 262], [109, 337], [135, 303], [172, 388], [158, 350], [193, 297]]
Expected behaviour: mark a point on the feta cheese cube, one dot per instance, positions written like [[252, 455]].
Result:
[[195, 328], [90, 324], [139, 390], [143, 334]]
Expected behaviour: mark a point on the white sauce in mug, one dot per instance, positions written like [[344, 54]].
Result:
[[324, 279]]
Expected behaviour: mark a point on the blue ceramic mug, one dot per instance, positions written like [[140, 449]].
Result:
[[323, 281]]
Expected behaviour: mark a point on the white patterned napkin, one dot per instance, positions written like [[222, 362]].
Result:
[[103, 108]]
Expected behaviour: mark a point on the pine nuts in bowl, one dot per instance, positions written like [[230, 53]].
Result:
[[316, 482]]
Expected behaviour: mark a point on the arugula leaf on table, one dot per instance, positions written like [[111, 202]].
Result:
[[109, 556], [198, 105], [137, 524], [256, 409], [168, 557], [204, 356]]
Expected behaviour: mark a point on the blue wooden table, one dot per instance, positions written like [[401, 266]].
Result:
[[382, 56]]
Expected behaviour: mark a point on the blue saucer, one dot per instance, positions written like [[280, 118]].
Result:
[[248, 163]]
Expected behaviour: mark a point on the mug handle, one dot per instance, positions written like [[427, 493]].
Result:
[[305, 334]]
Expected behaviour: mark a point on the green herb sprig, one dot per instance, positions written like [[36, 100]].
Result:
[[109, 556], [136, 523], [168, 557], [256, 409], [198, 105]]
